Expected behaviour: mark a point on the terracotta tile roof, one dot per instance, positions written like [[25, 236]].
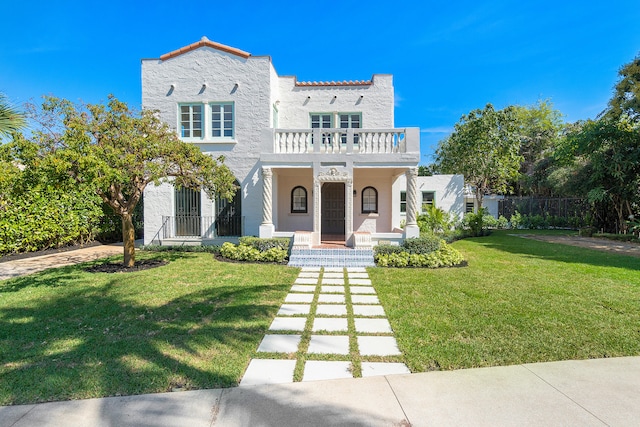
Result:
[[342, 83], [208, 43]]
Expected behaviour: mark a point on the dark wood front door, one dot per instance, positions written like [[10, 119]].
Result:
[[333, 208]]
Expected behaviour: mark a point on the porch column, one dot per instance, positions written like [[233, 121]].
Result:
[[317, 211], [267, 228], [348, 213], [411, 229]]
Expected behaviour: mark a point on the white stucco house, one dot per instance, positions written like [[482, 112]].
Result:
[[317, 161]]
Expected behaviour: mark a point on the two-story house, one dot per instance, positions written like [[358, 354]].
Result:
[[318, 161]]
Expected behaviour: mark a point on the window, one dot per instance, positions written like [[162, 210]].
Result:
[[469, 206], [403, 201], [350, 121], [299, 200], [322, 121], [369, 200], [428, 198], [191, 121], [222, 120]]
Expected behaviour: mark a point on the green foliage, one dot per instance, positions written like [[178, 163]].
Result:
[[11, 120], [243, 252], [475, 223], [485, 148], [211, 249], [444, 256], [387, 249], [422, 245], [266, 244], [434, 220]]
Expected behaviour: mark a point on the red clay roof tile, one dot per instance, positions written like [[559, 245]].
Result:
[[208, 43]]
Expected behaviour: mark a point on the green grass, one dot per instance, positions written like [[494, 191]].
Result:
[[194, 323], [518, 301]]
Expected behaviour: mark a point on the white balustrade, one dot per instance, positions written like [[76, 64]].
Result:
[[336, 141]]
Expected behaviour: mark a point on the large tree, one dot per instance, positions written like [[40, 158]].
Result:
[[118, 152], [485, 148], [11, 120]]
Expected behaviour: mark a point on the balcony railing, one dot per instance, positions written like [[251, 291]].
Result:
[[337, 141], [203, 227]]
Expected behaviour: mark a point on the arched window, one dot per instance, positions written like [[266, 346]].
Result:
[[299, 200], [369, 200]]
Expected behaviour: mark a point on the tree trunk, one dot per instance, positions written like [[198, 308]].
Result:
[[479, 197], [128, 238]]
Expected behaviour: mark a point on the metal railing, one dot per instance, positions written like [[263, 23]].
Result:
[[204, 227]]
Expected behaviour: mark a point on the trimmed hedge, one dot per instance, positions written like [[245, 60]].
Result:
[[265, 244], [212, 249], [426, 253], [244, 252]]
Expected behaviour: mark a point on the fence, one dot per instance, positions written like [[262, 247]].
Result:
[[570, 209]]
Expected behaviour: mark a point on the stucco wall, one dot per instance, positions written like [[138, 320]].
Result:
[[449, 193], [287, 180], [381, 179]]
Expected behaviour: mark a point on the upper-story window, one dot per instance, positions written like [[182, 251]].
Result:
[[191, 120], [350, 120], [222, 120]]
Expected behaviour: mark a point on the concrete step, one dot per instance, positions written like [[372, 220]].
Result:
[[320, 257]]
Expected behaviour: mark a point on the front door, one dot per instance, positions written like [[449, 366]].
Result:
[[229, 216], [187, 212], [333, 208]]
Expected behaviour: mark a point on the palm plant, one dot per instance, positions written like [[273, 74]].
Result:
[[11, 120]]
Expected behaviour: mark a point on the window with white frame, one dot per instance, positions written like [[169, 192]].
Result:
[[222, 120], [369, 200], [299, 200], [191, 120], [428, 199], [403, 201], [321, 121]]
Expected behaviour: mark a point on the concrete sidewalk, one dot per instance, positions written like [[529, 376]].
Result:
[[25, 266], [600, 392]]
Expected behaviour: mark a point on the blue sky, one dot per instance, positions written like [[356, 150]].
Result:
[[447, 58]]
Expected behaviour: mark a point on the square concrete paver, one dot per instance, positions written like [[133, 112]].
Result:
[[364, 299], [306, 281], [333, 269], [320, 370], [293, 309], [309, 274], [307, 269], [330, 281], [331, 310], [373, 325], [372, 369], [360, 282], [303, 288], [378, 346], [267, 371], [275, 343], [368, 310], [362, 290], [329, 344], [299, 298], [331, 289], [288, 324], [331, 298], [330, 324], [356, 270], [353, 275], [339, 275]]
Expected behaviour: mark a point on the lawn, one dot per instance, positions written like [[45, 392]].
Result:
[[518, 301], [194, 323]]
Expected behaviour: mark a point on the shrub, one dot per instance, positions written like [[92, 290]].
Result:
[[422, 244], [474, 223], [265, 244], [387, 249], [502, 222], [212, 249], [434, 220], [243, 252], [445, 256]]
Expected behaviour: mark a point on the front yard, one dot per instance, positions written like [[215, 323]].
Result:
[[196, 322]]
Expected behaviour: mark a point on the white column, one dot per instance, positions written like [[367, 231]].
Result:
[[348, 210], [267, 228], [411, 228], [317, 211]]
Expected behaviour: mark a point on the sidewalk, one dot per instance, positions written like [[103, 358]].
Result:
[[598, 392], [22, 267]]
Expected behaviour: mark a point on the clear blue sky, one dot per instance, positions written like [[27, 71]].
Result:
[[447, 58]]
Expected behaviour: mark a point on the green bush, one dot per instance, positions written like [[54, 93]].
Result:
[[475, 223], [243, 252], [503, 223], [212, 249], [445, 256], [422, 245], [387, 249], [434, 220], [265, 244]]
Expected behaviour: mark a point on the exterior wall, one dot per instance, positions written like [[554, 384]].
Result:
[[285, 180], [489, 202], [449, 193], [380, 179], [375, 102]]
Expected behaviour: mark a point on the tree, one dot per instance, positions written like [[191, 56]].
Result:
[[11, 120], [118, 152], [484, 147]]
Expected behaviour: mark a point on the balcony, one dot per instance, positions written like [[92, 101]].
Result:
[[403, 143]]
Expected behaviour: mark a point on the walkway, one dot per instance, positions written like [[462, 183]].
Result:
[[22, 267], [330, 326]]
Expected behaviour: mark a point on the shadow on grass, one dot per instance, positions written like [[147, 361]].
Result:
[[530, 248], [94, 342]]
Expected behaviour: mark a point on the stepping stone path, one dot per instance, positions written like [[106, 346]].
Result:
[[331, 326]]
